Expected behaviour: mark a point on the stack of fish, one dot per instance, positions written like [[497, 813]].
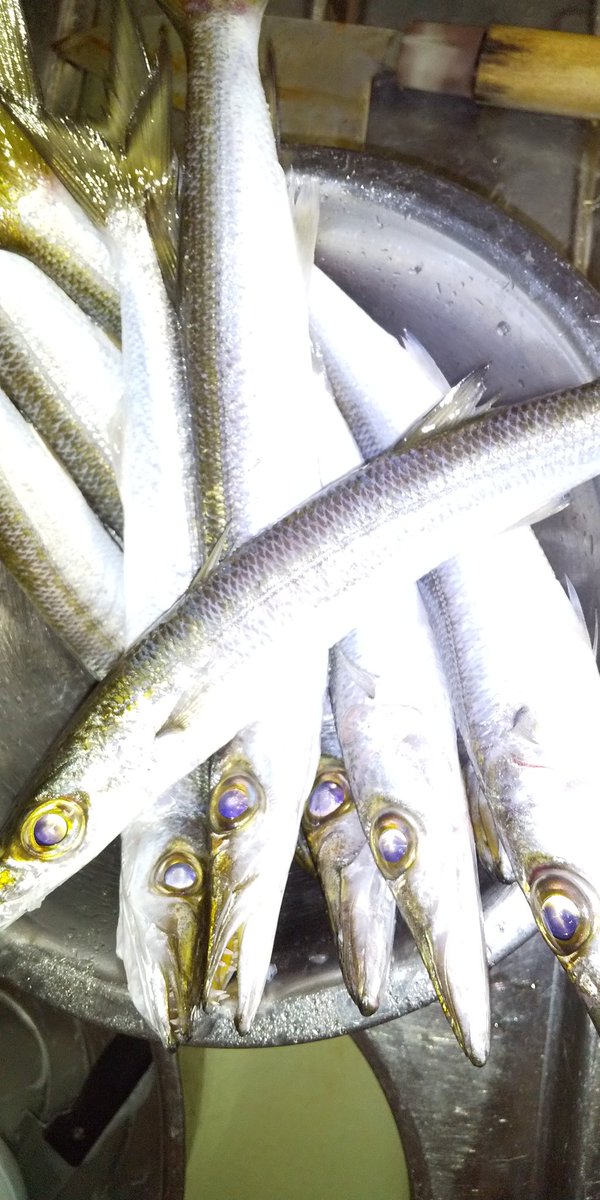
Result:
[[177, 407]]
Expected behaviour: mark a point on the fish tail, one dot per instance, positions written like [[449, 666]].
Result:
[[18, 80], [128, 74], [150, 163]]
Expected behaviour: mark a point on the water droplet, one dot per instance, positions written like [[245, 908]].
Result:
[[502, 328]]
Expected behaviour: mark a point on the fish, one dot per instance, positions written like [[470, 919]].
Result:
[[382, 384], [56, 548], [361, 907], [307, 579], [90, 163], [64, 375], [527, 698], [390, 700], [242, 300], [159, 471], [163, 896], [40, 220], [37, 215], [396, 728]]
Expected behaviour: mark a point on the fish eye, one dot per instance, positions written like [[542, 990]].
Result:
[[234, 801], [562, 910], [55, 827], [394, 844], [330, 795], [179, 873]]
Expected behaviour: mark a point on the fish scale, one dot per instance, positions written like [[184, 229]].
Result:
[[77, 412]]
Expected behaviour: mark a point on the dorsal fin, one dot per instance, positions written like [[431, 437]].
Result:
[[304, 201], [362, 678], [128, 76], [460, 404], [148, 147]]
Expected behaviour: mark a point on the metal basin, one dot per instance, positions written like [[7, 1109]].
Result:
[[475, 287]]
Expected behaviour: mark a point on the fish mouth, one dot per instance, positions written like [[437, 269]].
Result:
[[463, 995], [242, 930], [163, 967], [456, 962], [362, 913]]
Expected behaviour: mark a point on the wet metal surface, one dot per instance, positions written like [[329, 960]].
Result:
[[85, 1114], [524, 1125]]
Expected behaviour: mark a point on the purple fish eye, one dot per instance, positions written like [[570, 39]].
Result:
[[561, 917], [564, 911], [394, 843], [55, 827], [234, 801], [50, 829], [179, 874], [328, 795]]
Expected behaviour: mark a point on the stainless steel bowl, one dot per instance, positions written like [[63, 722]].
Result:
[[475, 287]]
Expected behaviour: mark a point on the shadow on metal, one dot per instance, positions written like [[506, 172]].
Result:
[[86, 1113], [526, 1124]]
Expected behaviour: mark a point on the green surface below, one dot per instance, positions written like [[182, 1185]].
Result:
[[290, 1123]]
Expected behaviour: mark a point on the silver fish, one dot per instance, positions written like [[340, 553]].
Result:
[[162, 903], [64, 374], [164, 879], [42, 222], [56, 547], [527, 698], [390, 700], [92, 162], [245, 321], [360, 905], [38, 217], [396, 728], [308, 579], [379, 382]]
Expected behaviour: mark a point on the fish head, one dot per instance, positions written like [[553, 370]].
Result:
[[567, 910], [431, 871], [360, 906], [545, 794], [243, 911], [162, 927], [95, 780], [41, 845]]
